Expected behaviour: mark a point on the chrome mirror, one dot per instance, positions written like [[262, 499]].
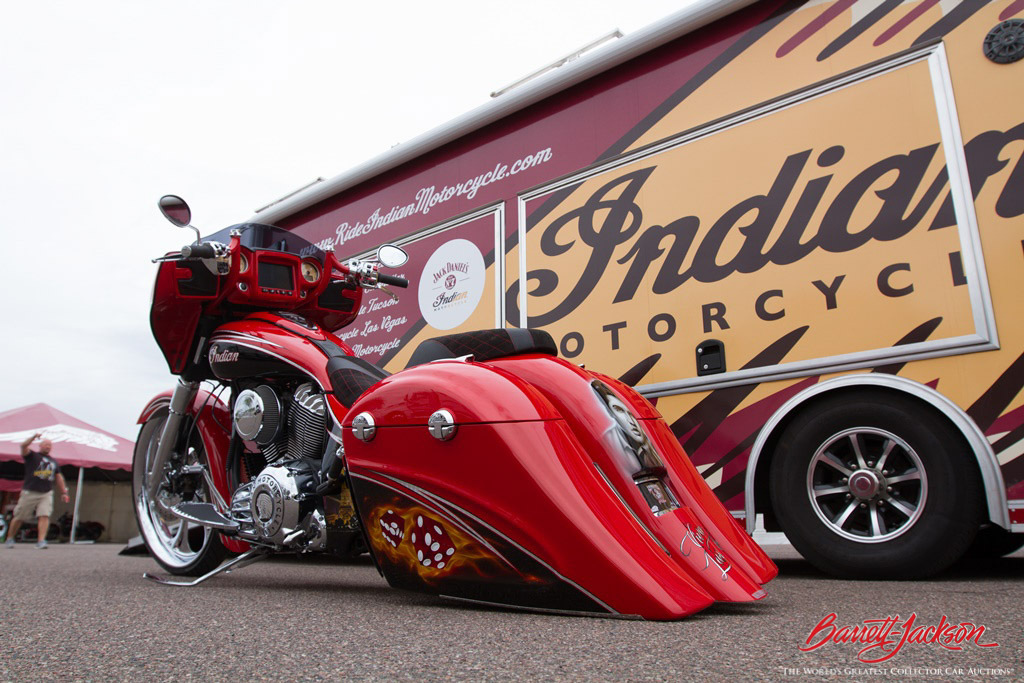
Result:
[[176, 210], [391, 256]]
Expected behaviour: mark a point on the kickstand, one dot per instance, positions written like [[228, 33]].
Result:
[[243, 560]]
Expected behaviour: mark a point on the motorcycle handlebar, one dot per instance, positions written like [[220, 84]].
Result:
[[392, 280], [204, 250]]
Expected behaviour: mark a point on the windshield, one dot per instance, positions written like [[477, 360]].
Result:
[[259, 237]]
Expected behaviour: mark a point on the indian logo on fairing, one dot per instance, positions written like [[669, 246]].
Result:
[[222, 356], [65, 433]]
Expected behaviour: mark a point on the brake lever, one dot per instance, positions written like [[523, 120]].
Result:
[[169, 257]]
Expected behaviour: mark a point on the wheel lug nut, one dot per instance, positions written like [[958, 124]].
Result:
[[863, 505], [885, 472], [845, 480], [889, 489], [871, 463]]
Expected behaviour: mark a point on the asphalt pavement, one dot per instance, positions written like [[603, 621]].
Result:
[[85, 613]]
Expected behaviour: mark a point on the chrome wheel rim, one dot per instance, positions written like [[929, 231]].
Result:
[[175, 542], [867, 485]]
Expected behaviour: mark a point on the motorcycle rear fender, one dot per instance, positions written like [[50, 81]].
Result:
[[213, 422], [569, 388], [525, 506]]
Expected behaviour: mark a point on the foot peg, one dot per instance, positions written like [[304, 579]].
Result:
[[204, 514]]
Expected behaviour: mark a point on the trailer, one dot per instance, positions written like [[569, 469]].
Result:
[[797, 227]]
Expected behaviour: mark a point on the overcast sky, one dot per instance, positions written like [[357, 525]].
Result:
[[231, 104]]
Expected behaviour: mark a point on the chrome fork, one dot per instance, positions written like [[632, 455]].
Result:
[[180, 400]]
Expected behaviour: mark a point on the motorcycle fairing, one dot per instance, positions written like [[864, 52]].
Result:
[[532, 472]]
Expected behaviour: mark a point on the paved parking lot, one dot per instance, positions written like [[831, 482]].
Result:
[[84, 613]]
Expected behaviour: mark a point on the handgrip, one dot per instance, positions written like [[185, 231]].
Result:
[[393, 280], [204, 250]]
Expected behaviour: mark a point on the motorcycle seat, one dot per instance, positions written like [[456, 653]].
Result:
[[484, 345], [351, 376]]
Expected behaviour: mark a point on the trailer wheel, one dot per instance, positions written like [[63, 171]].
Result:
[[993, 541], [873, 486]]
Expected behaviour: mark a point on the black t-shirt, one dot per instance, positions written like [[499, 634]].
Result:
[[40, 472]]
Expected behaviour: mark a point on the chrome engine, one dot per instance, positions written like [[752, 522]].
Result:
[[278, 506], [272, 509]]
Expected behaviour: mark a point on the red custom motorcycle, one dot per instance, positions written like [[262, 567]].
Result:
[[489, 470]]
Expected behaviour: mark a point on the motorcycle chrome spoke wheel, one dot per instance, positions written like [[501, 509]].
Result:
[[178, 545], [867, 485]]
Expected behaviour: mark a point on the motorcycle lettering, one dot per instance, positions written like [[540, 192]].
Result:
[[223, 356], [681, 250], [697, 538]]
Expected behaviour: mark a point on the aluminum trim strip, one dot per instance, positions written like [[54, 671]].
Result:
[[820, 366], [630, 510], [963, 197], [230, 337], [542, 610]]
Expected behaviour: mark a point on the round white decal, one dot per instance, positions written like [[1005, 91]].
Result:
[[451, 284]]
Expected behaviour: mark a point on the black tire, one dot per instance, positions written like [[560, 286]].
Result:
[[190, 550], [907, 515], [993, 541]]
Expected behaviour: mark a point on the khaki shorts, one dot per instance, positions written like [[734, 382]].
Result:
[[33, 502]]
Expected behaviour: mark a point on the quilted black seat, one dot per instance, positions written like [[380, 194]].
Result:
[[350, 377], [484, 345]]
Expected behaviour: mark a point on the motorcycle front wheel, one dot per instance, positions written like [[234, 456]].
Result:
[[179, 546]]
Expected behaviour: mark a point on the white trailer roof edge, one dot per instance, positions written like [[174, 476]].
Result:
[[687, 20]]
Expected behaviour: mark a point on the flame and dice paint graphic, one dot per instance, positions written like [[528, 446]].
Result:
[[414, 537], [432, 544], [392, 528]]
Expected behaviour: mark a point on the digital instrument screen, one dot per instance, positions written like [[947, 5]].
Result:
[[276, 276]]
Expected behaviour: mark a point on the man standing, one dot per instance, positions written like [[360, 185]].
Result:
[[41, 471]]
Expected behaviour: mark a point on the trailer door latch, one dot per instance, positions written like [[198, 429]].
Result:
[[710, 357]]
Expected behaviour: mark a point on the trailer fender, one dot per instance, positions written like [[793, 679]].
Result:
[[988, 465]]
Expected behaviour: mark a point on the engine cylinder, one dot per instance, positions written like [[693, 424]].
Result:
[[307, 423]]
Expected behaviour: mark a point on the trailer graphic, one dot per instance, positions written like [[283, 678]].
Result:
[[798, 227]]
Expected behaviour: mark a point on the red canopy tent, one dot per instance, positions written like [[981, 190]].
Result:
[[75, 443]]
